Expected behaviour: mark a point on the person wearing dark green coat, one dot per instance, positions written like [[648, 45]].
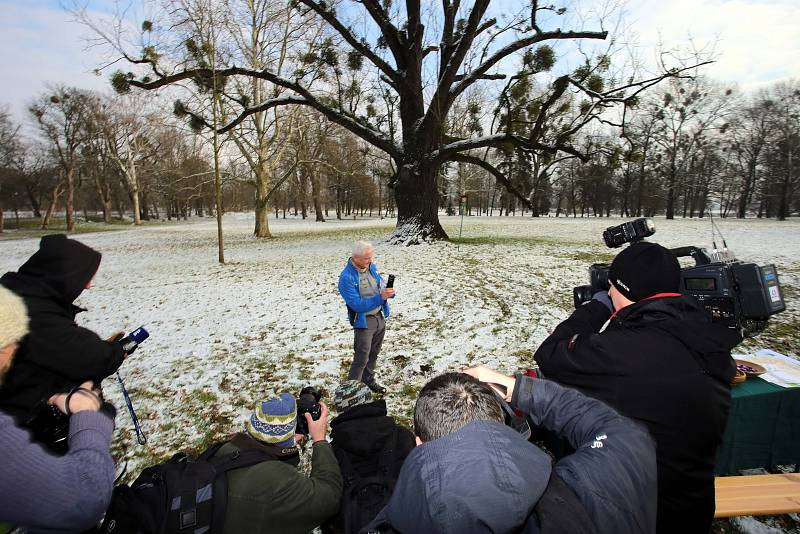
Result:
[[273, 496]]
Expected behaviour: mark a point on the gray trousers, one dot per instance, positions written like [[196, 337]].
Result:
[[367, 345]]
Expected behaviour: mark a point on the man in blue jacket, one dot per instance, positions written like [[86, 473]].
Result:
[[472, 474], [366, 298]]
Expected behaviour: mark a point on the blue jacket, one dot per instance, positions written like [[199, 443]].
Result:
[[357, 307], [486, 478]]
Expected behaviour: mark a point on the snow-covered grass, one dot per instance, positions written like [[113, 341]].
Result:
[[271, 318]]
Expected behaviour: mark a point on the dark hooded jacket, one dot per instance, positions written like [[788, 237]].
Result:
[[487, 478], [662, 362], [57, 354], [362, 431], [359, 435]]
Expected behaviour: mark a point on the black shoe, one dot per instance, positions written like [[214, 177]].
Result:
[[375, 387]]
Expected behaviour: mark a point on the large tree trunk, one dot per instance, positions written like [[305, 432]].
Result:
[[69, 204], [133, 190], [32, 197], [746, 192], [262, 199], [52, 207], [417, 195], [315, 197]]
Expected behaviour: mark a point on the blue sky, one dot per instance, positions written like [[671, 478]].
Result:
[[758, 41]]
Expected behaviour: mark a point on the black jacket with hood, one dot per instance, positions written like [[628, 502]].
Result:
[[57, 354], [487, 478], [359, 435], [362, 431], [662, 362]]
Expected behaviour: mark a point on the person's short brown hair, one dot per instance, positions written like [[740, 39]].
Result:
[[451, 401]]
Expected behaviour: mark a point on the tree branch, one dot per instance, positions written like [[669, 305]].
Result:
[[330, 17], [389, 31], [365, 132], [498, 141], [509, 49], [441, 101]]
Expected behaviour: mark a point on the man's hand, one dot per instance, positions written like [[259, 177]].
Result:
[[318, 429], [116, 337], [490, 376], [86, 398], [387, 293]]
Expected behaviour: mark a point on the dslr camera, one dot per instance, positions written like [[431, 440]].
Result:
[[308, 402], [741, 296]]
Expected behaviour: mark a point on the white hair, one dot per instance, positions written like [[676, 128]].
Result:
[[360, 248]]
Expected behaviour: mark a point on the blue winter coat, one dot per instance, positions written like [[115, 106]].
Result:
[[357, 307], [486, 478]]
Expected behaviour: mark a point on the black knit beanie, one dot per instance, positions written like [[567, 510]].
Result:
[[645, 269]]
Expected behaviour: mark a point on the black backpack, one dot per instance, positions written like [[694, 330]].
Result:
[[181, 495], [364, 497]]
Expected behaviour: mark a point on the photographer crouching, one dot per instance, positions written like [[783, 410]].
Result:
[[58, 354], [654, 355], [43, 492]]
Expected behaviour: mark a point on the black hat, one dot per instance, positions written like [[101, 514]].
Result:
[[645, 269]]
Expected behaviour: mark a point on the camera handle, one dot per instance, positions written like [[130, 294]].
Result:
[[140, 437], [700, 256]]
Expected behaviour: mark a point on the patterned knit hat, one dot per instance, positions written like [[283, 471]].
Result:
[[13, 318], [274, 421], [351, 393]]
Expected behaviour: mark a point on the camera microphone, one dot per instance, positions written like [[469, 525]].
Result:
[[134, 339]]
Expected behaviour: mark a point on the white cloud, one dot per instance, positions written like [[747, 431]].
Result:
[[757, 41], [42, 45]]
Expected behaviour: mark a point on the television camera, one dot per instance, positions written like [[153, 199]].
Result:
[[739, 295]]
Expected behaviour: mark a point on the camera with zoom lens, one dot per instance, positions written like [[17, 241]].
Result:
[[308, 402], [49, 426], [739, 295]]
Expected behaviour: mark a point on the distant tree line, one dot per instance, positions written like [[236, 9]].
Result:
[[689, 147], [109, 158]]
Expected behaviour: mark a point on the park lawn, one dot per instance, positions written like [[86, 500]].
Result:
[[222, 336]]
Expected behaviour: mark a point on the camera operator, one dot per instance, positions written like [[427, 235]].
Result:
[[42, 492], [273, 495], [472, 474], [57, 354], [654, 355]]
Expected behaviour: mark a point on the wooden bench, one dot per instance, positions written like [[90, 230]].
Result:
[[757, 495]]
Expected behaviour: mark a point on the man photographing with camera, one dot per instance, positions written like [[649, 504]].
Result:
[[365, 296], [58, 354], [654, 355], [44, 492]]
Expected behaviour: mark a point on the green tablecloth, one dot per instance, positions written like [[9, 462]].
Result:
[[763, 427]]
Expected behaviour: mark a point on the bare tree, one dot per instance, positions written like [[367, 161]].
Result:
[[687, 113], [398, 54], [61, 113], [10, 155]]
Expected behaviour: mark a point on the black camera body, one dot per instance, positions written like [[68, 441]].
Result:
[[49, 426], [308, 402], [738, 295]]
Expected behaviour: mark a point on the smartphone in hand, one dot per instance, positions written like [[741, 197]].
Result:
[[390, 282]]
